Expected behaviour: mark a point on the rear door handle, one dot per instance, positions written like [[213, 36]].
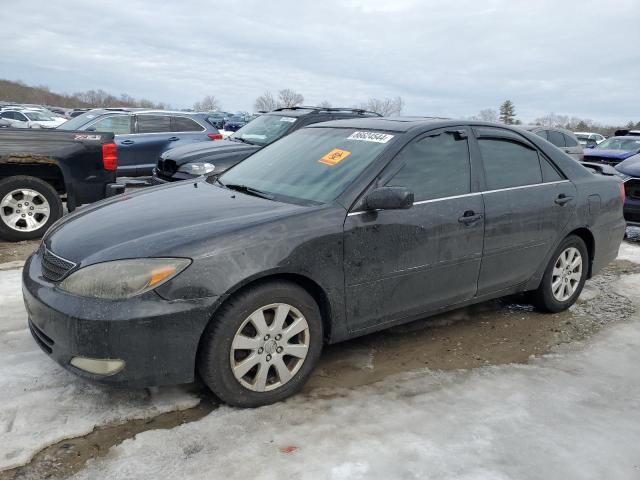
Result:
[[470, 217], [127, 142], [173, 139], [563, 199]]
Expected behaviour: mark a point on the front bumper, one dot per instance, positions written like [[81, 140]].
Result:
[[157, 338]]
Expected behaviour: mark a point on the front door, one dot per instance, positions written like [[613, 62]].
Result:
[[402, 263], [527, 203]]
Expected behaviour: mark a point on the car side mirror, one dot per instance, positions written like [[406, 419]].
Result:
[[389, 198]]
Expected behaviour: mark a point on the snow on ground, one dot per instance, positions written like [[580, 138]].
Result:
[[574, 414], [41, 403], [629, 251]]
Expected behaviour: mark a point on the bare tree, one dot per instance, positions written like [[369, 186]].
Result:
[[289, 98], [384, 106], [325, 104], [208, 103], [487, 115], [265, 102]]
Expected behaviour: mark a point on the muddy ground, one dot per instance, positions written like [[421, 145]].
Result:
[[491, 333]]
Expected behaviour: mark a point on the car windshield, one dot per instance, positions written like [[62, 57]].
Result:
[[312, 165], [38, 116], [265, 129], [620, 143], [77, 122]]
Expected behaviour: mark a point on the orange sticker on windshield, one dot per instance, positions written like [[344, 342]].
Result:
[[334, 157]]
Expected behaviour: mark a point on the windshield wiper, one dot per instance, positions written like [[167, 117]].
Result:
[[248, 190]]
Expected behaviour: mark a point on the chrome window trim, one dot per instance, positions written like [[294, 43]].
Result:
[[135, 125], [421, 202]]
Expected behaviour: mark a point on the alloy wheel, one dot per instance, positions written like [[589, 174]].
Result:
[[24, 210], [270, 347], [567, 273]]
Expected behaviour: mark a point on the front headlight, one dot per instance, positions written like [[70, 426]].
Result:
[[197, 168], [122, 279]]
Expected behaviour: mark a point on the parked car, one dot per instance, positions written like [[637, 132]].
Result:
[[629, 171], [37, 167], [587, 138], [30, 119], [217, 119], [142, 135], [234, 123], [191, 161], [561, 138], [339, 229], [77, 111], [614, 150]]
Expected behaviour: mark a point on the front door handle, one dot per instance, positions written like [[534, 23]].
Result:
[[470, 217], [173, 139], [563, 199], [127, 142]]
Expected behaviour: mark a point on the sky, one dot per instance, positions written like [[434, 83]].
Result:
[[443, 58]]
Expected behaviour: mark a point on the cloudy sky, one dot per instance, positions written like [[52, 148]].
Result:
[[444, 58]]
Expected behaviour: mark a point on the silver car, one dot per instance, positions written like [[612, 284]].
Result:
[[564, 139]]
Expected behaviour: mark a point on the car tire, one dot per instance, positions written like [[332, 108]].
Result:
[[44, 205], [564, 276], [222, 360]]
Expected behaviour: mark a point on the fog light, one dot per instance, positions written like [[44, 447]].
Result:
[[98, 366]]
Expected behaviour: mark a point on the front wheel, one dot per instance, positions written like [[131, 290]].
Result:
[[262, 345], [28, 207], [564, 277]]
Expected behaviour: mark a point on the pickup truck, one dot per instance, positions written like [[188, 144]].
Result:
[[38, 168]]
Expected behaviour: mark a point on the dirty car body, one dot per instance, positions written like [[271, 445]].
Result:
[[306, 214]]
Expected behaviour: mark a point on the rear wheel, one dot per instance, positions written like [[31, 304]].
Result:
[[28, 207], [564, 277], [262, 345]]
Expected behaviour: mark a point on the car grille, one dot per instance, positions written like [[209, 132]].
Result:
[[168, 167], [41, 338], [632, 188], [55, 268]]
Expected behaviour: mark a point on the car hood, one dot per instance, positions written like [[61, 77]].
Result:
[[173, 220], [208, 150], [630, 166], [612, 154]]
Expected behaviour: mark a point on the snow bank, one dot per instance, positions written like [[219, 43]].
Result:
[[571, 415], [41, 403], [629, 251]]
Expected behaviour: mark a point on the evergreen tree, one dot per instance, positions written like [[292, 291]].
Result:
[[508, 112]]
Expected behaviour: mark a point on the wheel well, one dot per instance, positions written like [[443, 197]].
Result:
[[587, 237], [315, 290], [49, 173]]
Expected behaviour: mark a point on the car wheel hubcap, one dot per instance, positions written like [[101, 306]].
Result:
[[270, 347], [24, 210], [566, 275]]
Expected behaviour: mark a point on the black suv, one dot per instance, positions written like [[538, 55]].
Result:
[[212, 158]]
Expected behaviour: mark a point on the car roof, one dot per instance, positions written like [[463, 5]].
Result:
[[397, 124]]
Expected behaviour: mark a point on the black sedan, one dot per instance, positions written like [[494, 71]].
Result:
[[337, 230]]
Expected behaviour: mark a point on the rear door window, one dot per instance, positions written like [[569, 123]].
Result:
[[435, 166], [118, 124], [184, 124], [556, 138], [543, 134], [154, 123], [509, 164]]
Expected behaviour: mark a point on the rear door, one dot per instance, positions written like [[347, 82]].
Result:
[[400, 263], [527, 202], [153, 135]]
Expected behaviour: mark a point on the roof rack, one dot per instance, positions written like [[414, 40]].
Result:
[[359, 111]]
